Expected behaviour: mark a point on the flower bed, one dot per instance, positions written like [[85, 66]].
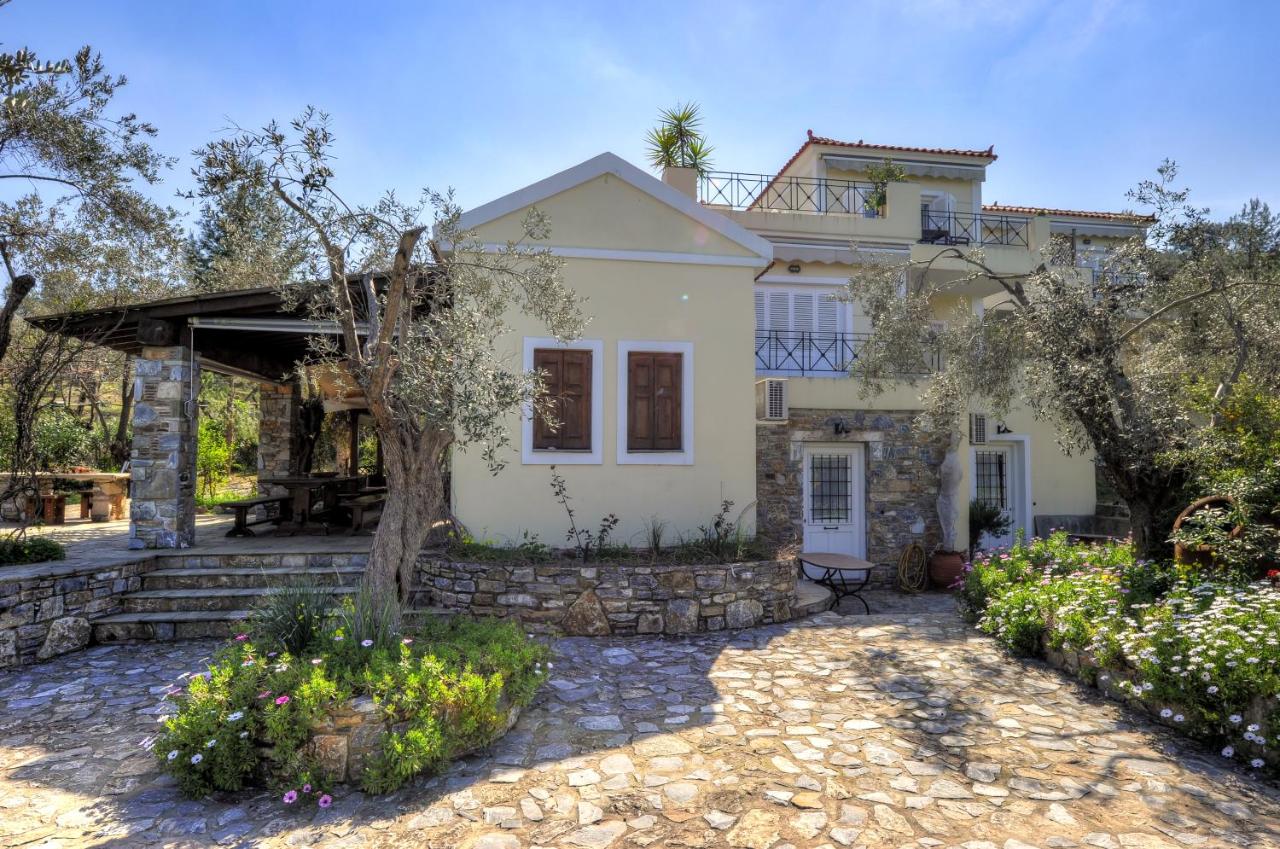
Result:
[[1201, 656], [391, 707]]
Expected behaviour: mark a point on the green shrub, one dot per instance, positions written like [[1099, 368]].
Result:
[[291, 617], [33, 549], [440, 691]]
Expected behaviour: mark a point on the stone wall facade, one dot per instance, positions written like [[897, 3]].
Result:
[[163, 463], [277, 433], [46, 610], [607, 598], [901, 463]]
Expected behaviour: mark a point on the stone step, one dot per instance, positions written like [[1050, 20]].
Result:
[[200, 578], [194, 624], [168, 625], [195, 600], [810, 599]]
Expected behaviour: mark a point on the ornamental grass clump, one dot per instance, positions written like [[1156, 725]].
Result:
[[441, 689], [1203, 655]]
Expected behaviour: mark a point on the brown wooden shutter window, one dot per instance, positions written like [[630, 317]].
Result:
[[655, 400], [567, 376]]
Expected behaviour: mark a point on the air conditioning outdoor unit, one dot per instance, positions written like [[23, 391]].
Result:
[[977, 429], [771, 399]]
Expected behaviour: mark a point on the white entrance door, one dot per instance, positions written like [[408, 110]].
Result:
[[994, 484], [834, 517]]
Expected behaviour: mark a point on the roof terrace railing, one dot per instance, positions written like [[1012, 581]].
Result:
[[963, 228], [800, 353], [784, 194]]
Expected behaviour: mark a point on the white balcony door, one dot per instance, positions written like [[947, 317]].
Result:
[[998, 481], [798, 330], [834, 500]]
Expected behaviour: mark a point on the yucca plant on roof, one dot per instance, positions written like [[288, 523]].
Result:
[[677, 141]]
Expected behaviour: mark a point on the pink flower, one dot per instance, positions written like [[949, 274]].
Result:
[[408, 641], [282, 700], [240, 638], [306, 788], [325, 801], [264, 694], [291, 797]]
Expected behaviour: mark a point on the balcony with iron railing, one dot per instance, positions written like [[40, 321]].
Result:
[[962, 228], [740, 191], [797, 353]]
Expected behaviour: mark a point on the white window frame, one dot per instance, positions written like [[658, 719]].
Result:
[[549, 456], [683, 457]]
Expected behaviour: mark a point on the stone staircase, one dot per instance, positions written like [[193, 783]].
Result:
[[180, 602]]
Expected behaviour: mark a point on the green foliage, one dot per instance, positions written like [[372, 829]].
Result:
[[291, 617], [213, 456], [32, 549], [440, 691], [985, 518], [881, 175], [470, 549], [586, 543], [677, 141], [1202, 653]]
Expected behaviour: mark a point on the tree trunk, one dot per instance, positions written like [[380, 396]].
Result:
[[121, 445], [19, 288], [415, 499]]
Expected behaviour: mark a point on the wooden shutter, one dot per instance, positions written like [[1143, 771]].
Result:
[[568, 388], [655, 401]]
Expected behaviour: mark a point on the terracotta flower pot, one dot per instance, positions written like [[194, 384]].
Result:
[[945, 567]]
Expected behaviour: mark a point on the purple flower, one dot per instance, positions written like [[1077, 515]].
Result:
[[325, 801], [282, 700], [306, 788], [240, 638], [366, 643], [291, 797]]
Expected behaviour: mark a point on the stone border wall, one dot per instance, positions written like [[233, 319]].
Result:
[[1113, 684], [45, 615], [605, 598]]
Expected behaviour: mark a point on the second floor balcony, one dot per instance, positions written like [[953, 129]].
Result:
[[741, 191], [961, 228], [797, 353]]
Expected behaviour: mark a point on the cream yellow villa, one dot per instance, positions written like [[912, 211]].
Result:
[[716, 363]]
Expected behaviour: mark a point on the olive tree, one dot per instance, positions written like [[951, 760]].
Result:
[[1107, 357], [417, 305], [69, 167]]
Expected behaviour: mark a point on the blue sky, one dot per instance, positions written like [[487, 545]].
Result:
[[1081, 98]]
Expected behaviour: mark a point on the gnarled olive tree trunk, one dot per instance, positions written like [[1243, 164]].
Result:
[[414, 464]]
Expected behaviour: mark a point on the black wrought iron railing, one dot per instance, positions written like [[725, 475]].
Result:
[[791, 352], [786, 194], [963, 228]]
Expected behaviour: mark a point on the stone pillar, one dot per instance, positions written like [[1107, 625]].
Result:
[[277, 433], [162, 466]]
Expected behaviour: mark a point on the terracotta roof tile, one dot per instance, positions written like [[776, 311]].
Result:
[[1072, 213], [989, 153]]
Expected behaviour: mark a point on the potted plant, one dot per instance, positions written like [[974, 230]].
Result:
[[945, 563], [877, 197], [678, 147], [985, 519]]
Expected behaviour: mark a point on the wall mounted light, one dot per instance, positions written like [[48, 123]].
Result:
[[794, 268]]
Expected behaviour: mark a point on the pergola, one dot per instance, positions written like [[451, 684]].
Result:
[[249, 333]]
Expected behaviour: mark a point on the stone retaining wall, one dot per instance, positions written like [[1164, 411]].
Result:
[[606, 598], [1114, 685], [46, 609]]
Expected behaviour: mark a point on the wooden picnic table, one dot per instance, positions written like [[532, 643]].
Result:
[[302, 491]]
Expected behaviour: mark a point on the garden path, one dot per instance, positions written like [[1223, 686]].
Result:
[[897, 730]]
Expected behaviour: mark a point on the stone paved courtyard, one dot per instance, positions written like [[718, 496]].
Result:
[[898, 730]]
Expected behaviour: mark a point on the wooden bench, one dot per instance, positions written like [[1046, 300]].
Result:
[[843, 574], [242, 508], [363, 509], [1082, 528]]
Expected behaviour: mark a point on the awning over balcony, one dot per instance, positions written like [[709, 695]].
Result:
[[914, 167], [841, 253]]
